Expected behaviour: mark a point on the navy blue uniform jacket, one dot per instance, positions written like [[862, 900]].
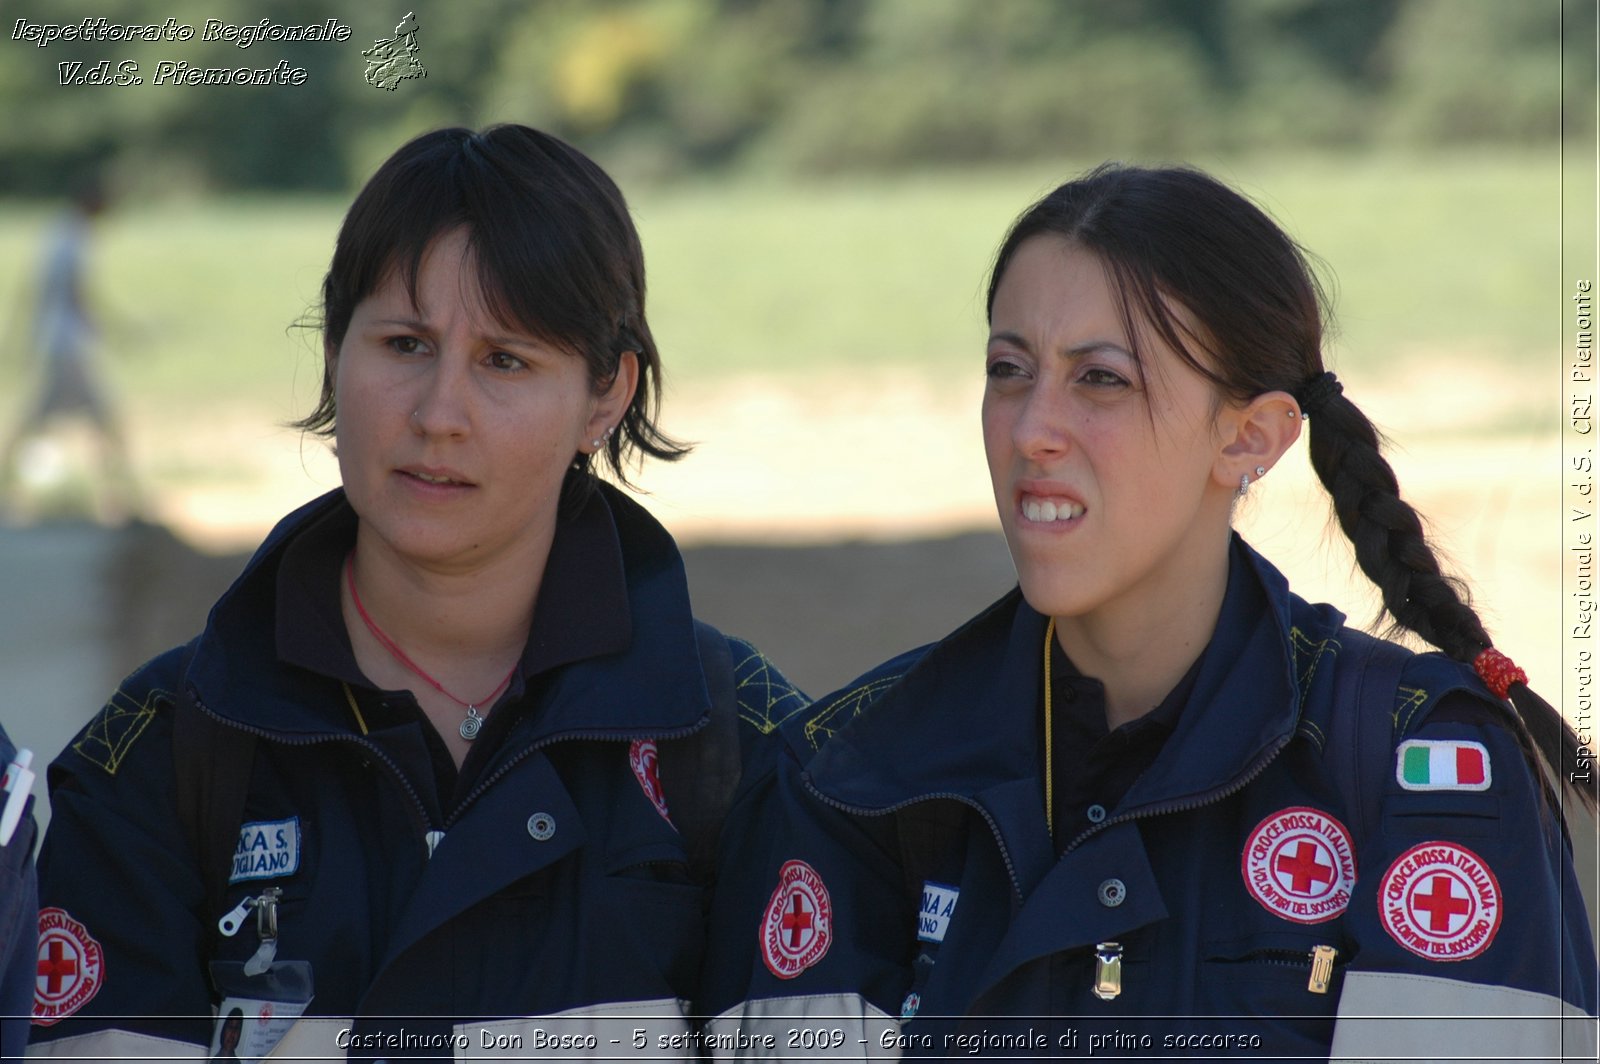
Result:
[[891, 887], [555, 885]]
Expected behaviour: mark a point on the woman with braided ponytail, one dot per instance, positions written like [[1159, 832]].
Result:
[[1151, 802]]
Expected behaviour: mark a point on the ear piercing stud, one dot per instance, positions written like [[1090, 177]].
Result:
[[600, 441], [1244, 480]]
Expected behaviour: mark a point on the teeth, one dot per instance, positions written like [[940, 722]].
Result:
[[433, 480], [1043, 510]]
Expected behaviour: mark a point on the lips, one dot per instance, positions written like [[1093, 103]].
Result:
[[1048, 510], [436, 476], [1045, 502]]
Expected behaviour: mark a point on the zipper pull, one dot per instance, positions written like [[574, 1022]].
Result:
[[229, 925], [1321, 968], [1107, 970], [433, 839], [267, 928]]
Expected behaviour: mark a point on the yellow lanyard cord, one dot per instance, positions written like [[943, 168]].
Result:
[[1049, 746], [351, 698]]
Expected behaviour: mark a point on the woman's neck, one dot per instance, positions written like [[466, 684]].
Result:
[[1141, 646], [466, 628]]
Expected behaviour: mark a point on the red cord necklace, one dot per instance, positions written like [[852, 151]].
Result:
[[473, 722]]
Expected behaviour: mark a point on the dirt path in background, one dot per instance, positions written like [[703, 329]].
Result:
[[893, 457]]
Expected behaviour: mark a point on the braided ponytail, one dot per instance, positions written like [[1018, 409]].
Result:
[[1392, 549], [1175, 238]]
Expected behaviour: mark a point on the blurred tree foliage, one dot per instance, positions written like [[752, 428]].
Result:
[[812, 86]]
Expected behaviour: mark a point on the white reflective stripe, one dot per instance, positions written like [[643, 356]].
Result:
[[808, 1027], [118, 1045], [653, 1030], [1384, 1017], [311, 1038]]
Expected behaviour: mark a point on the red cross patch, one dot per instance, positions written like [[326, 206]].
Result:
[[644, 760], [798, 926], [1440, 901], [1300, 864], [71, 967]]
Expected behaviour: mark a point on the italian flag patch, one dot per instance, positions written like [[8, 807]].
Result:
[[1442, 765]]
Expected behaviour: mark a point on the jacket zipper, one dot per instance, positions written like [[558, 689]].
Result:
[[1180, 806], [550, 740], [1005, 855], [1186, 804], [314, 740], [405, 783]]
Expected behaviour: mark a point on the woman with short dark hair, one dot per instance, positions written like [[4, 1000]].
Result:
[[439, 773]]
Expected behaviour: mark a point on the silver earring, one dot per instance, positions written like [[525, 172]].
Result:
[[1261, 471], [600, 441], [1244, 484]]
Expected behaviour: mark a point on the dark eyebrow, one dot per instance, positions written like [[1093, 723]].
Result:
[[527, 343], [1011, 338], [1075, 351], [1091, 346]]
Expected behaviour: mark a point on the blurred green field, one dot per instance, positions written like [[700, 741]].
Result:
[[1428, 255]]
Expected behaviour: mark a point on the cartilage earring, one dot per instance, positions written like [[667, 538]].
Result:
[[1244, 484]]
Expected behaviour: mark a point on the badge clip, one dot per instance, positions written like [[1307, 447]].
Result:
[[267, 928], [1321, 968], [1107, 970]]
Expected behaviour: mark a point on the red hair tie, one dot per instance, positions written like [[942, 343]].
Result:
[[1498, 671]]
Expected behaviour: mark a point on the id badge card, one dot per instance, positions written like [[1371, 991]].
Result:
[[257, 1010]]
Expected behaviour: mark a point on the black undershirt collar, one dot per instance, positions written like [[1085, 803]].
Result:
[[582, 612]]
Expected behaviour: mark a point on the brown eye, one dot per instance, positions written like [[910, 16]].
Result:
[[1103, 378], [503, 361]]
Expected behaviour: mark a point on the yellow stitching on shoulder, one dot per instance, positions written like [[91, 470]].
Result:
[[774, 699], [1314, 733], [1407, 700], [109, 737], [847, 706], [1314, 649]]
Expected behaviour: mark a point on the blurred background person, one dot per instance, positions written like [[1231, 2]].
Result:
[[67, 336]]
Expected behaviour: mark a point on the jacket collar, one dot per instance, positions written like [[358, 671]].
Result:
[[962, 722], [639, 676]]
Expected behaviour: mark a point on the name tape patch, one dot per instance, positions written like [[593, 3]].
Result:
[[1442, 765], [938, 902], [267, 849]]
